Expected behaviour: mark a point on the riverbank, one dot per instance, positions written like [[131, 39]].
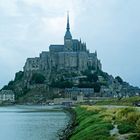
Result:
[[67, 132], [99, 123]]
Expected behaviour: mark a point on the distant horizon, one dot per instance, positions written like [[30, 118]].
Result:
[[111, 27]]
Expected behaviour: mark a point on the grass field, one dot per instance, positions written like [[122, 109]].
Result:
[[124, 101], [95, 123]]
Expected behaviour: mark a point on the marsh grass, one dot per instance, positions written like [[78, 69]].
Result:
[[128, 120], [95, 122], [91, 125]]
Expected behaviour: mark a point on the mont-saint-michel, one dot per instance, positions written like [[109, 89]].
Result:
[[70, 57], [65, 93], [68, 72]]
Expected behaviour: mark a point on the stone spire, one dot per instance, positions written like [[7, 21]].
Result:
[[68, 34], [68, 24]]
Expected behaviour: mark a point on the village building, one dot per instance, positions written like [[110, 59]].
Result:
[[74, 92], [7, 95]]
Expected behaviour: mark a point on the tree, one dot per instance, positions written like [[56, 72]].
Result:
[[92, 77], [37, 78], [85, 85], [19, 75], [119, 79], [62, 84], [11, 83], [6, 88], [103, 74]]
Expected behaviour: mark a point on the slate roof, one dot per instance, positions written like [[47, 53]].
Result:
[[56, 48]]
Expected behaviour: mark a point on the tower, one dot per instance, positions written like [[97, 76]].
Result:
[[68, 36]]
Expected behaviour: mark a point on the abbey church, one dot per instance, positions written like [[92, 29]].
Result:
[[70, 56]]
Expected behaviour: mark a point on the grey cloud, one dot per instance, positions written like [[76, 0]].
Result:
[[111, 27]]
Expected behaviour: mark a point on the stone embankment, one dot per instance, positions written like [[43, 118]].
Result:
[[65, 134]]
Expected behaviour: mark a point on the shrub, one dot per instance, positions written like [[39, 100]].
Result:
[[132, 117], [122, 114], [134, 137], [126, 128]]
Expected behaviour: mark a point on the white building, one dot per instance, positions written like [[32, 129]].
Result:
[[7, 95]]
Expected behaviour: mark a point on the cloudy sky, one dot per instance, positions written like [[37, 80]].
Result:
[[112, 27]]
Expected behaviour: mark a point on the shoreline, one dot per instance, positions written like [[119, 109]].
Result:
[[66, 133], [105, 123], [62, 133]]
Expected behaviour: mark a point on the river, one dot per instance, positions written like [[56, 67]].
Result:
[[31, 122]]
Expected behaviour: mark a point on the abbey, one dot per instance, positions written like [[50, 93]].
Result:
[[72, 56]]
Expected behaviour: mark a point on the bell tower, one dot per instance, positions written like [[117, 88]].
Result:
[[68, 36]]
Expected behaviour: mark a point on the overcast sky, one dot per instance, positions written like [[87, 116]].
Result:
[[112, 27]]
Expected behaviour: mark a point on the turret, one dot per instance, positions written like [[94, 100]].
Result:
[[96, 53]]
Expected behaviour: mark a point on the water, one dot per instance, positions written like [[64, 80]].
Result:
[[31, 123]]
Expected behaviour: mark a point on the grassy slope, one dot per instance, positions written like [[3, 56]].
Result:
[[95, 123], [91, 125]]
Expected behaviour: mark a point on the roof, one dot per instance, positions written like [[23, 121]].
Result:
[[75, 40], [56, 48], [79, 89], [68, 35]]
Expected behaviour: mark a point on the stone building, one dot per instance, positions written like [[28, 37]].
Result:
[[70, 56], [7, 95], [74, 92]]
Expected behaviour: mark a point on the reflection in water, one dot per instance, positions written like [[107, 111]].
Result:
[[30, 123]]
